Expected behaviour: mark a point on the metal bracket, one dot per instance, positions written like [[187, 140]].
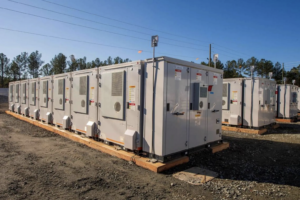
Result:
[[206, 73]]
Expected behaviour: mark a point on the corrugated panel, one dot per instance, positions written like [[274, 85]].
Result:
[[117, 84], [225, 90], [60, 86], [17, 88], [32, 88], [83, 85], [44, 87]]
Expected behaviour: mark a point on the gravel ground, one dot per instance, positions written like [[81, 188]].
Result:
[[37, 164]]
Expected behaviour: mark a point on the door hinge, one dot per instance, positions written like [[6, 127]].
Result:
[[99, 84], [139, 71], [206, 73], [188, 70], [186, 143], [208, 106], [71, 79], [52, 81]]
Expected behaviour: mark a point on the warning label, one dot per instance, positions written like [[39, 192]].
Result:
[[215, 82], [199, 76], [234, 98], [178, 74], [92, 93], [67, 93], [131, 97]]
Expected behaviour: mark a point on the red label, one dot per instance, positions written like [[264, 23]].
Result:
[[132, 104], [92, 101], [199, 74], [177, 70], [215, 77], [276, 92]]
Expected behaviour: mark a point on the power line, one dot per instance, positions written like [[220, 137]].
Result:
[[121, 21], [99, 44], [226, 51], [94, 28], [98, 22], [231, 49]]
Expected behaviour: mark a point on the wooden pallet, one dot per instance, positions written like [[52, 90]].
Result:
[[111, 150], [248, 130], [286, 120]]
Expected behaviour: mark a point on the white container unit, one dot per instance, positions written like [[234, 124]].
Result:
[[45, 99], [120, 104], [84, 98], [11, 103], [24, 98], [249, 102], [287, 102], [61, 100], [17, 102], [34, 98], [186, 113], [232, 101]]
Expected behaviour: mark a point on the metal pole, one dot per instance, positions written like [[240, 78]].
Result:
[[153, 105], [209, 54], [282, 71]]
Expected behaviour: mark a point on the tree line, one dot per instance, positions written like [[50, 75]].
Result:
[[26, 65], [240, 68]]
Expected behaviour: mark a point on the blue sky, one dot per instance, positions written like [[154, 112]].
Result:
[[236, 29]]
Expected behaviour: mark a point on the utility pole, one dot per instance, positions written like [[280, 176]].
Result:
[[209, 54], [282, 71]]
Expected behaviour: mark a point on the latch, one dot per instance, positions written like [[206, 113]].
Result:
[[215, 111]]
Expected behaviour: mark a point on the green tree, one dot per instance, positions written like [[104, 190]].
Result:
[[81, 63], [21, 61], [277, 73], [59, 64], [72, 63], [46, 70], [13, 70], [34, 63], [4, 62], [240, 67], [250, 62], [230, 69]]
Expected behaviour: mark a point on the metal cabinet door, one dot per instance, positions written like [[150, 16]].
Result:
[[214, 106], [33, 93], [17, 95], [59, 94], [44, 93], [177, 109], [198, 116], [23, 93], [11, 93], [80, 93]]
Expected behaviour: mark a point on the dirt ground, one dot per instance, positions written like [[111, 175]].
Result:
[[37, 164]]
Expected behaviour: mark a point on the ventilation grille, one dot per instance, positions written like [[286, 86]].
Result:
[[60, 86], [32, 88], [24, 88], [44, 87], [225, 91], [203, 92], [117, 84], [83, 85]]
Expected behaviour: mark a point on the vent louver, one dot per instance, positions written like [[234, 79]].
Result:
[[117, 84], [83, 85], [60, 86]]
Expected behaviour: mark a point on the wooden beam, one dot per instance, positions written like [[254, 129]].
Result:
[[129, 156], [220, 147]]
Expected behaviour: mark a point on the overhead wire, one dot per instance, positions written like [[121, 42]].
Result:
[[230, 49], [109, 18], [99, 44], [99, 22], [51, 19]]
